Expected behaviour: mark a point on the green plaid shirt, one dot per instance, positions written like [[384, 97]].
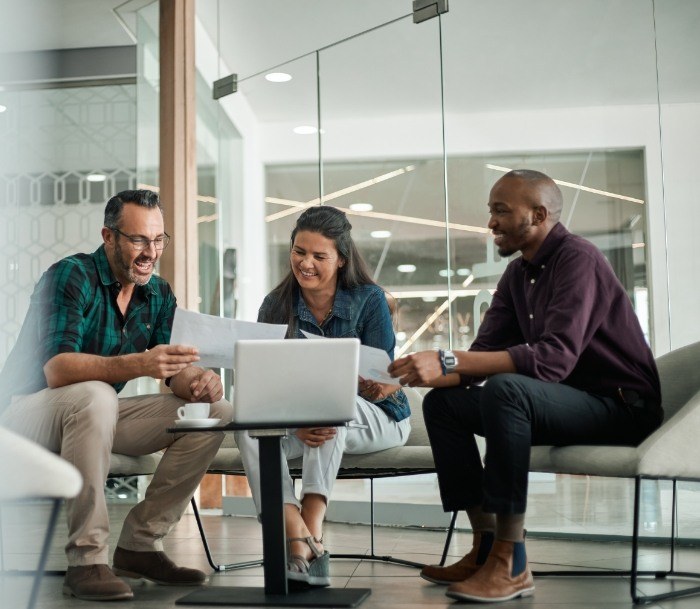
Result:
[[74, 310]]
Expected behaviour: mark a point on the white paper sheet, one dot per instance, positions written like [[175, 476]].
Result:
[[216, 337], [373, 362]]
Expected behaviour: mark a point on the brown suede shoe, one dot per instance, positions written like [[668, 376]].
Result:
[[495, 581], [156, 567], [466, 566], [95, 583]]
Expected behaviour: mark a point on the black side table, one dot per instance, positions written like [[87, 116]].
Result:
[[275, 592]]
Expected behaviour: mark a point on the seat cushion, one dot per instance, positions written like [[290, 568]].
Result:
[[121, 466]]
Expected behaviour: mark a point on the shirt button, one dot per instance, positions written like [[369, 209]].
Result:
[[542, 266], [532, 281], [532, 316]]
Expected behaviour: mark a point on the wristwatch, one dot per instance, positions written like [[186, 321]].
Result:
[[448, 361]]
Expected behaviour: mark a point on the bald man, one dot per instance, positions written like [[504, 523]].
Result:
[[565, 362]]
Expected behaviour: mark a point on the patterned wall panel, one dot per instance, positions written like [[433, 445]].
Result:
[[51, 141]]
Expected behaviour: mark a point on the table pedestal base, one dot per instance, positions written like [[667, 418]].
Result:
[[256, 597]]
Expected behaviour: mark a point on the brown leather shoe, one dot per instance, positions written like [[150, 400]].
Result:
[[466, 566], [95, 583], [156, 567], [495, 581]]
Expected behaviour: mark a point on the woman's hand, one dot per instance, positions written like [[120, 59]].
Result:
[[315, 436], [372, 391]]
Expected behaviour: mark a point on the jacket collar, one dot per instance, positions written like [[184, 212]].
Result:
[[342, 306]]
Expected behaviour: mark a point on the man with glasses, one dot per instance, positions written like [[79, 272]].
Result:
[[96, 321]]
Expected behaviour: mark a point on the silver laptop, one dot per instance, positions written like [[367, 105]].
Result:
[[295, 381]]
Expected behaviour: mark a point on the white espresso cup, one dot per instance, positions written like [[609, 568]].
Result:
[[193, 410]]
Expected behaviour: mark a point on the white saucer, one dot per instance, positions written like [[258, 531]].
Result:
[[196, 422]]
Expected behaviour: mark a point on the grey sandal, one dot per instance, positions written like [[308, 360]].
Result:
[[314, 572]]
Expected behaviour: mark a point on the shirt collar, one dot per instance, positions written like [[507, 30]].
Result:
[[342, 305], [107, 276], [550, 245]]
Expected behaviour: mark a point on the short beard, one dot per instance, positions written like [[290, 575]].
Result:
[[126, 268], [522, 231]]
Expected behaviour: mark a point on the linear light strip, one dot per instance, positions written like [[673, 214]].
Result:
[[455, 294], [200, 198], [425, 326], [344, 191], [433, 293], [383, 216], [578, 187]]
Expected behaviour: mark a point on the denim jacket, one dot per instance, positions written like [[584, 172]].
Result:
[[361, 312]]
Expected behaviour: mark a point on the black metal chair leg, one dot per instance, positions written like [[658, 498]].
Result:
[[635, 540], [227, 567], [55, 509], [448, 540], [372, 555], [634, 573]]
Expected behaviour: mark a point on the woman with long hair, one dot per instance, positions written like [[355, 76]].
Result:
[[328, 291]]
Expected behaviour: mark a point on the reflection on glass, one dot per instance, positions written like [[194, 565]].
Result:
[[284, 108], [606, 209]]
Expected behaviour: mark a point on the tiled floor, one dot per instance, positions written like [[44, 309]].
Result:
[[234, 539]]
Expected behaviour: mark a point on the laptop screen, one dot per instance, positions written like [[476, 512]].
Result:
[[292, 381]]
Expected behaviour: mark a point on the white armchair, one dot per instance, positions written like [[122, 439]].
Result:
[[29, 471]]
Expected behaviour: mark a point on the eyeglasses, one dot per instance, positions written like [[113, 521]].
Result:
[[141, 243]]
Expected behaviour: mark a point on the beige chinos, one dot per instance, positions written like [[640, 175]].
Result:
[[85, 423]]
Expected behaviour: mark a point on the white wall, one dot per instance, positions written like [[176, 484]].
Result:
[[681, 159], [245, 213]]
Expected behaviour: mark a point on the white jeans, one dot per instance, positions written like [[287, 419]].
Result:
[[320, 465]]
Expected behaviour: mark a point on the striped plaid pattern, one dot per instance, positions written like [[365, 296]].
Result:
[[74, 309]]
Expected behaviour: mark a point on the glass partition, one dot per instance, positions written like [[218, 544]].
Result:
[[569, 101], [407, 126], [285, 101], [64, 153], [677, 23], [380, 105]]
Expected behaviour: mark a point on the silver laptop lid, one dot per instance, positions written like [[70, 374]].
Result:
[[292, 381]]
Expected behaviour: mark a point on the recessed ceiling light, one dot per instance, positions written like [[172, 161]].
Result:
[[429, 298], [406, 268], [96, 177], [305, 130], [278, 77], [445, 273], [380, 234], [3, 108], [401, 335], [464, 272], [361, 206]]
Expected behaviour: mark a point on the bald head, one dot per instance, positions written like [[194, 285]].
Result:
[[524, 206], [540, 190]]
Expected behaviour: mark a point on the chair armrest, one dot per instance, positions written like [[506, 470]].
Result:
[[673, 450]]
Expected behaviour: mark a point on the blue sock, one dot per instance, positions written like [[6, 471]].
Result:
[[519, 558]]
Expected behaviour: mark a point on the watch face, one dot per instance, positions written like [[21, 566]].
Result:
[[450, 360]]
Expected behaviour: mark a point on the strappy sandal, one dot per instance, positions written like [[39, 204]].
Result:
[[314, 572]]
